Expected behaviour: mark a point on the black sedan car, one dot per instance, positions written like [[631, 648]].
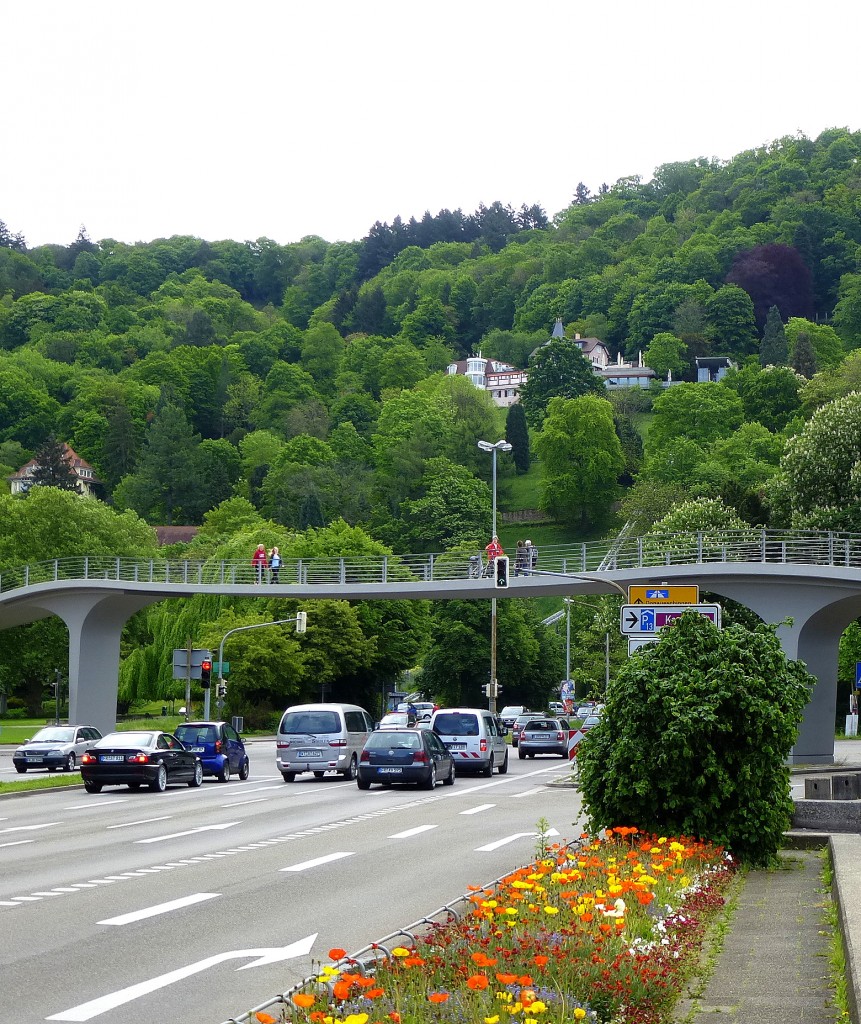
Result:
[[405, 755], [135, 759], [543, 736]]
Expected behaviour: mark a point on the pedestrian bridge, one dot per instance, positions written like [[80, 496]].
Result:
[[807, 582]]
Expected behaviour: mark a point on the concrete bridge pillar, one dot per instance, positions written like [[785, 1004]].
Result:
[[95, 622], [811, 618]]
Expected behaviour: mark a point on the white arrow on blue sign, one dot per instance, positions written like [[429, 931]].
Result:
[[644, 618], [657, 595]]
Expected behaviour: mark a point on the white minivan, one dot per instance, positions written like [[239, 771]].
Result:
[[475, 737], [321, 738]]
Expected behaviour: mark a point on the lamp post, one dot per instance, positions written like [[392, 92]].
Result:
[[499, 446]]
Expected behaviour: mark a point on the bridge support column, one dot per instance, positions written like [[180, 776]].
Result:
[[95, 622]]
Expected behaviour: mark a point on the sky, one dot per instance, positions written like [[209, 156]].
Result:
[[281, 119]]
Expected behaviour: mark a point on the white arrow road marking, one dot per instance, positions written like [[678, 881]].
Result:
[[527, 792], [477, 810], [189, 832], [28, 828], [86, 1011], [412, 832], [143, 821], [317, 861], [160, 908], [17, 842], [511, 839]]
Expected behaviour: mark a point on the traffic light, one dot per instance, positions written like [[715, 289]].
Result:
[[206, 674], [301, 622], [221, 690], [500, 570]]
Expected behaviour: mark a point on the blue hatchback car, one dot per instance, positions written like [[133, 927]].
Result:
[[219, 747]]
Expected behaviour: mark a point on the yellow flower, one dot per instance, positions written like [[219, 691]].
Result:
[[551, 910], [356, 1018], [579, 1013], [492, 1020], [511, 910], [518, 884], [538, 1007], [400, 951]]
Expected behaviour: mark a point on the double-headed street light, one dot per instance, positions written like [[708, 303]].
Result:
[[499, 446]]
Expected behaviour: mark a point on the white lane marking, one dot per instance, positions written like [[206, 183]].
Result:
[[261, 789], [316, 862], [240, 803], [86, 1011], [37, 893], [17, 842], [9, 903], [189, 832], [412, 832], [160, 908], [477, 810], [143, 821], [528, 792], [512, 838], [27, 899], [96, 803], [28, 828]]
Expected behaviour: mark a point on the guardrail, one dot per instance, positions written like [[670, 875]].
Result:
[[628, 553]]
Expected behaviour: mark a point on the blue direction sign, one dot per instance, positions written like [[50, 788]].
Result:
[[643, 618], [858, 675]]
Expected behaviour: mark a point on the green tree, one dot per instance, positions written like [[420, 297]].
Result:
[[700, 412], [774, 348], [694, 739], [582, 459], [828, 347], [803, 359], [557, 370], [517, 434], [53, 468], [666, 354], [454, 506]]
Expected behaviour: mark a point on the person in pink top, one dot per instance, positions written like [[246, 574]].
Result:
[[493, 551], [259, 561]]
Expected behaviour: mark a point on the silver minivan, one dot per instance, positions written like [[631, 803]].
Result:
[[475, 737], [321, 738]]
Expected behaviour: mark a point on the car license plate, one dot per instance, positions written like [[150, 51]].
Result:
[[196, 750], [456, 746], [390, 771], [35, 760], [308, 755], [111, 757]]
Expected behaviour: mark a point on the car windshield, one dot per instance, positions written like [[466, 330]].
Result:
[[127, 739], [452, 723], [54, 735], [307, 722]]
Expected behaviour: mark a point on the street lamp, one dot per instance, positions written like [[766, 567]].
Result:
[[499, 446]]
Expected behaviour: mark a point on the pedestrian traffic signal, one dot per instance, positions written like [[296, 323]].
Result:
[[301, 622], [500, 570], [221, 690], [206, 674]]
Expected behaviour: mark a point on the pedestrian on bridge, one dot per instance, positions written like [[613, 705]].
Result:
[[259, 562], [274, 564]]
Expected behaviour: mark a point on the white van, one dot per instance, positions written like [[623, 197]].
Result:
[[321, 738], [475, 737]]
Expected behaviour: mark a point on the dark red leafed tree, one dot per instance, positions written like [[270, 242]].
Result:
[[774, 275]]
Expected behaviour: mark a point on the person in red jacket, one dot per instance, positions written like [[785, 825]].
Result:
[[493, 551], [259, 561]]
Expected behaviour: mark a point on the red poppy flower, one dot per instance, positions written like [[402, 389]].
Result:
[[477, 982], [438, 997], [337, 953]]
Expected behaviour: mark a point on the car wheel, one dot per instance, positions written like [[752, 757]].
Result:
[[198, 775], [449, 780], [71, 763], [363, 783], [159, 783], [503, 768], [288, 776], [244, 769], [353, 770], [488, 771], [431, 780], [521, 755], [224, 774], [93, 787], [21, 768], [319, 775]]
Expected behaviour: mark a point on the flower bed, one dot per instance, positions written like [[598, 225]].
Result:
[[605, 930]]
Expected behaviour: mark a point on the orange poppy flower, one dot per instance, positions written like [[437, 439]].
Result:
[[341, 989], [477, 982], [506, 979], [540, 961], [482, 960], [265, 1018], [438, 997], [375, 993], [301, 999], [525, 979], [337, 953]]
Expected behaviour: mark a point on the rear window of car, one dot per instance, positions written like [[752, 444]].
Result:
[[540, 725], [393, 740], [196, 733], [456, 724], [310, 722]]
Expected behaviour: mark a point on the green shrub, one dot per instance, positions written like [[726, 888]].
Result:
[[695, 736]]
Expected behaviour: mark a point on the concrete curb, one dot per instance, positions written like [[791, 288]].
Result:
[[846, 863]]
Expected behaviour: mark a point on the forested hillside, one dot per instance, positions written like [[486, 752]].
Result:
[[297, 393]]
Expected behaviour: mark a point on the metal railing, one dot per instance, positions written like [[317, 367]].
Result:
[[620, 554]]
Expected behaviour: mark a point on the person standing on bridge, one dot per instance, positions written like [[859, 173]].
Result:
[[274, 564], [493, 551], [259, 562]]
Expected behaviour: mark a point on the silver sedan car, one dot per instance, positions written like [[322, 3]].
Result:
[[55, 746]]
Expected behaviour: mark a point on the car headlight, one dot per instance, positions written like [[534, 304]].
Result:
[[54, 753]]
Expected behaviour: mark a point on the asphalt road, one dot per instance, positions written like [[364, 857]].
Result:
[[184, 906]]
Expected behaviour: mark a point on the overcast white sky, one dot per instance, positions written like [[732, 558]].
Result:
[[281, 118]]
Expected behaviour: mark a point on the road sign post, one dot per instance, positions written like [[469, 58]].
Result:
[[664, 594], [643, 618]]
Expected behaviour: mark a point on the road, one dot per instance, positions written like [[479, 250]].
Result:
[[195, 905]]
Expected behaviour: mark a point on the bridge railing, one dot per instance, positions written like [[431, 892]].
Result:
[[591, 558]]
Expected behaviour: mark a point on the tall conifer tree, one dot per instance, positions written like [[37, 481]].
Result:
[[517, 434], [773, 350]]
